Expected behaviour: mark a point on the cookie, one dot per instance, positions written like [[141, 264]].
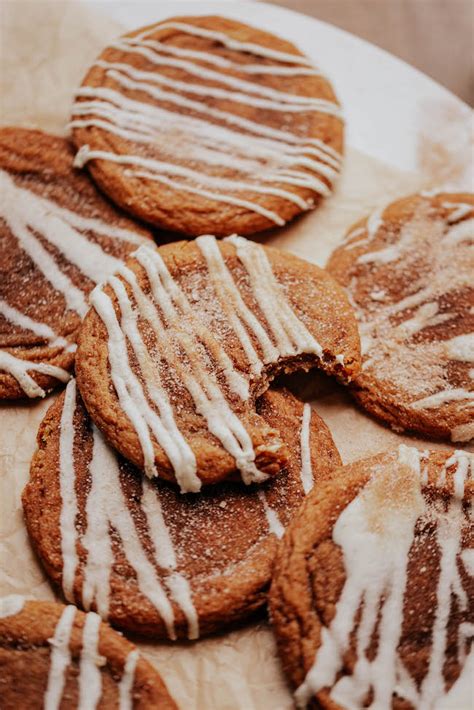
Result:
[[180, 342], [408, 271], [58, 238], [54, 656], [206, 125], [372, 600], [173, 565]]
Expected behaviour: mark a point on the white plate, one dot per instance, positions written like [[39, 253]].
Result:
[[394, 114], [384, 99]]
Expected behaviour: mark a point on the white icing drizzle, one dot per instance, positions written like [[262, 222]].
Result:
[[165, 556], [229, 151], [459, 695], [85, 154], [228, 199], [464, 463], [461, 347], [467, 557], [60, 659], [367, 233], [426, 316], [438, 398], [203, 386], [274, 523], [18, 368], [96, 539], [460, 210], [229, 42], [391, 352], [133, 400], [90, 679], [305, 447], [106, 507], [387, 254], [11, 605], [23, 321], [127, 680], [290, 333], [461, 232], [265, 141], [28, 215], [275, 101], [67, 516], [376, 559], [222, 62], [240, 316], [142, 122], [172, 319]]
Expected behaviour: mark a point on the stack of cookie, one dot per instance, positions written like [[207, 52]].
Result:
[[169, 467]]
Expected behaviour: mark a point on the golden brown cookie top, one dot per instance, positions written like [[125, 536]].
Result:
[[147, 557], [204, 124], [373, 592], [58, 238], [53, 655], [181, 341], [408, 270]]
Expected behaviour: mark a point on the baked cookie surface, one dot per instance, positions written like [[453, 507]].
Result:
[[408, 271], [146, 557], [180, 342], [54, 656], [372, 598], [58, 238], [206, 125]]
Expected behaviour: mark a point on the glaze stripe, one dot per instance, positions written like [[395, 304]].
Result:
[[177, 328], [274, 523], [90, 680], [18, 368], [90, 662], [165, 89], [222, 62], [229, 42], [305, 448], [31, 219], [262, 135], [127, 680], [106, 508], [202, 385], [60, 659], [275, 101], [376, 579], [23, 321]]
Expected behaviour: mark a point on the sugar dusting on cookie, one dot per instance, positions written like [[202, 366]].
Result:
[[417, 332]]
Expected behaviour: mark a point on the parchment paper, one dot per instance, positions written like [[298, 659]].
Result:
[[46, 47]]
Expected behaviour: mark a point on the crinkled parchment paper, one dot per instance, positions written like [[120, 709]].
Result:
[[46, 48]]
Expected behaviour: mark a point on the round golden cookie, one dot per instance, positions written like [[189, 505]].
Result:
[[146, 557], [408, 270], [372, 598], [204, 124], [54, 656], [58, 238], [180, 342]]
